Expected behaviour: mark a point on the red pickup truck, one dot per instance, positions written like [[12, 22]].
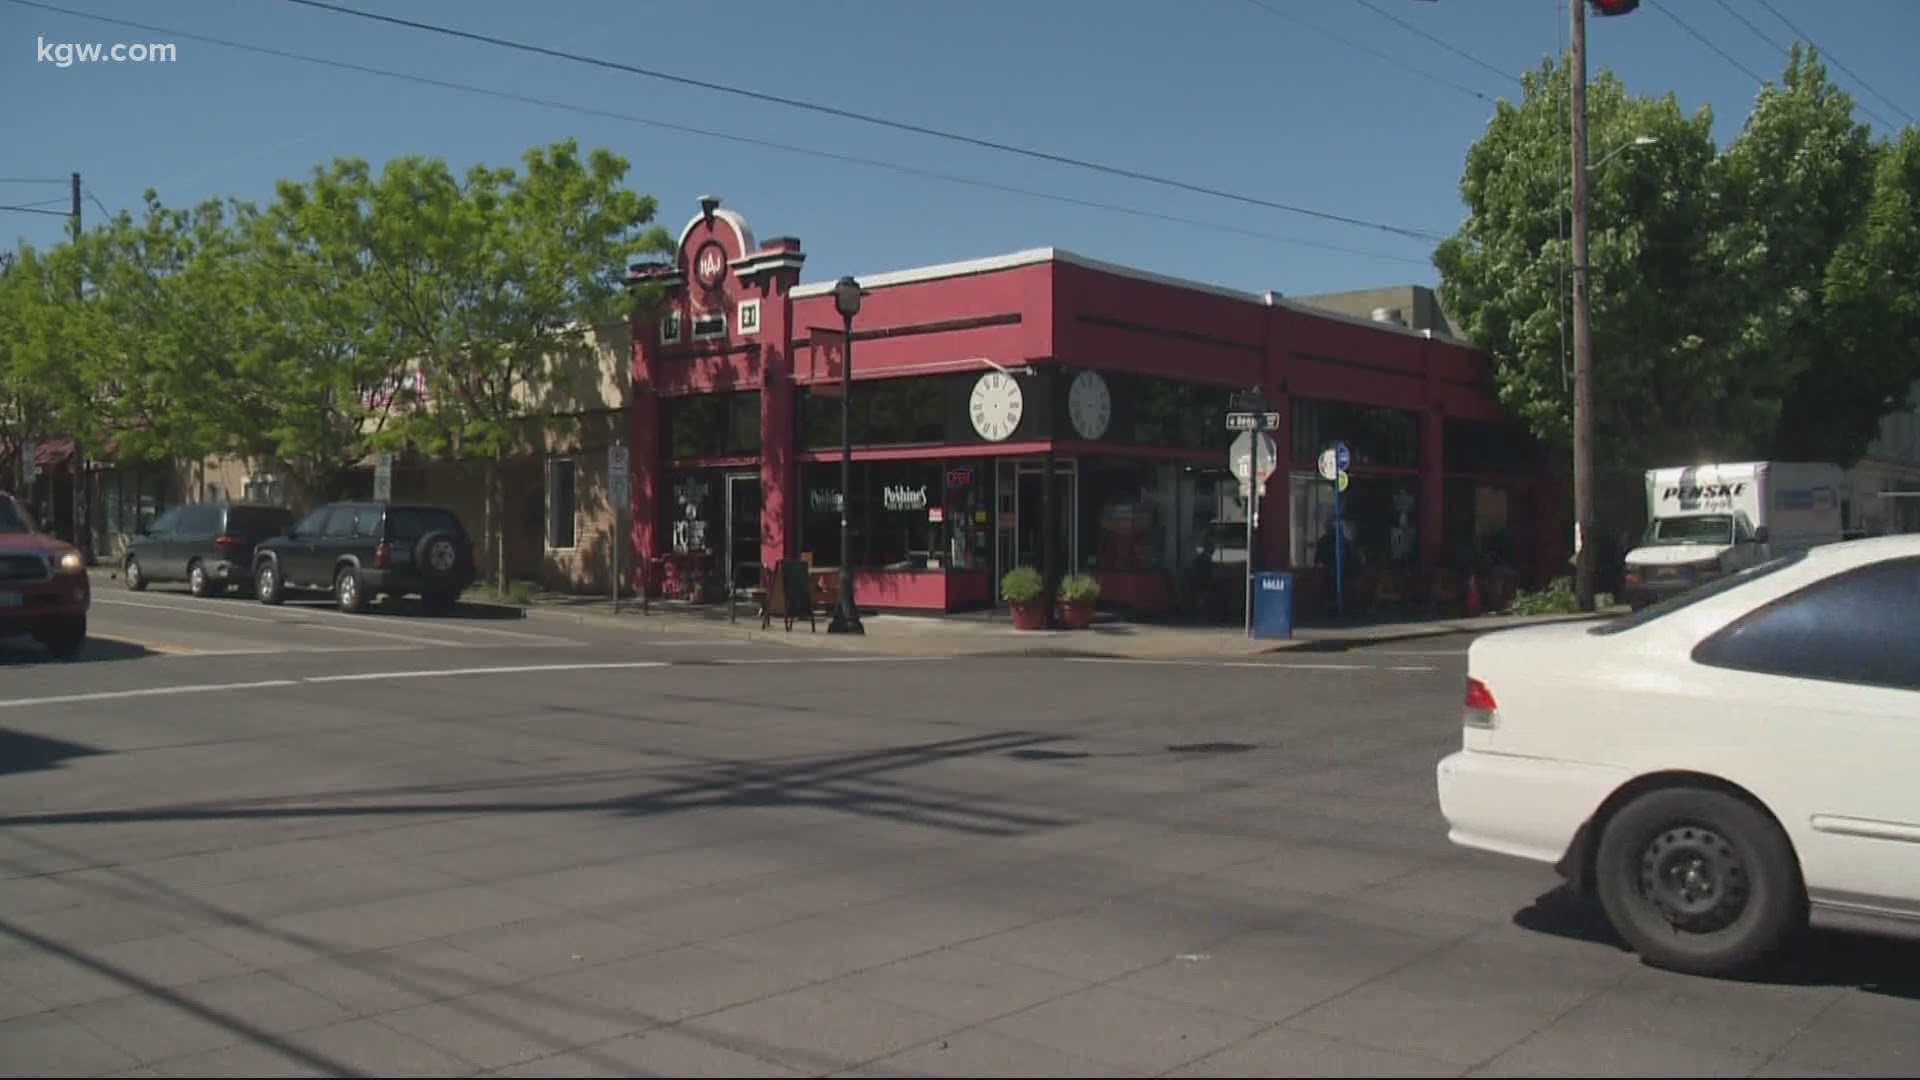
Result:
[[43, 584]]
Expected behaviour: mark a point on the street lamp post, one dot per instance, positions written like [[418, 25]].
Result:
[[846, 614]]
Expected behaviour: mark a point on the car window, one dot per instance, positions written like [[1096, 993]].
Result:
[[166, 523], [199, 520], [1860, 627], [414, 522], [12, 518], [1693, 596], [340, 522], [257, 520], [367, 521], [1703, 529], [312, 523]]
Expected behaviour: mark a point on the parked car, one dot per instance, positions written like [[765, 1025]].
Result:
[[364, 551], [207, 545], [1720, 768], [43, 584]]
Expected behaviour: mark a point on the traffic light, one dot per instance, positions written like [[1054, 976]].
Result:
[[1613, 7]]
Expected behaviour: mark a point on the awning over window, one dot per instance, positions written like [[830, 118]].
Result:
[[53, 453]]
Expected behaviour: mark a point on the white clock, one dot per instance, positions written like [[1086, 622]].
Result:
[[995, 406], [1089, 404]]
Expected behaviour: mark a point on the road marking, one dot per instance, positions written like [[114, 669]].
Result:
[[831, 660], [185, 609], [1414, 667], [154, 691], [519, 669], [1434, 652], [1270, 665], [292, 650]]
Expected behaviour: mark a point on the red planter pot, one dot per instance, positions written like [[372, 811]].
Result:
[[1031, 615], [1076, 616]]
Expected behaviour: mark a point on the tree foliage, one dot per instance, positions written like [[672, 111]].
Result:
[[1740, 297], [354, 312]]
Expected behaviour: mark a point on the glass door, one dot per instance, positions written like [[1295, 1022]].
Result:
[[1030, 516], [743, 530]]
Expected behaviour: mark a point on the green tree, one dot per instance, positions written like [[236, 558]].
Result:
[[489, 282], [1659, 385], [1793, 190], [322, 341]]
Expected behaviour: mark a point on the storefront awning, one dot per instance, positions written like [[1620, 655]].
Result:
[[53, 453]]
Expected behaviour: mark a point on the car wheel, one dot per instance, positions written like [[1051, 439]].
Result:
[[267, 587], [346, 591], [1699, 881], [136, 578], [197, 582], [65, 639]]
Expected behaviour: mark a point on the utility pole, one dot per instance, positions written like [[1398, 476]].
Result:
[[1582, 325], [82, 527]]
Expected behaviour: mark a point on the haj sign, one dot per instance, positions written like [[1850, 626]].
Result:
[[710, 265]]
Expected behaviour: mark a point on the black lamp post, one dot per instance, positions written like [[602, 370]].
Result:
[[846, 614]]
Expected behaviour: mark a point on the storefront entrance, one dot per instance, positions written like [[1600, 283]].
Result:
[[1020, 488], [743, 530]]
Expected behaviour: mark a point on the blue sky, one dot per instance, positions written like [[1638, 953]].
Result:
[[1217, 92]]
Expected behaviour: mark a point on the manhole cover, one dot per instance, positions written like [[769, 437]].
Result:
[[1210, 748]]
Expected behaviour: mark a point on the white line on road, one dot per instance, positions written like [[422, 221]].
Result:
[[154, 691], [832, 660], [1414, 667], [184, 609], [521, 669], [1270, 665]]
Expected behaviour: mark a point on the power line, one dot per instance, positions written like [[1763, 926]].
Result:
[[851, 159], [1724, 55], [32, 180], [865, 118], [36, 210], [97, 203], [1709, 43], [1748, 23], [1864, 84], [1369, 50], [1450, 47]]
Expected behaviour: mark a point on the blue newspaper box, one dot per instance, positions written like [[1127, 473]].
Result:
[[1273, 605]]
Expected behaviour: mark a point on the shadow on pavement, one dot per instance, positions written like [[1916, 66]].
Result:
[[21, 751], [20, 652], [1818, 958], [855, 784]]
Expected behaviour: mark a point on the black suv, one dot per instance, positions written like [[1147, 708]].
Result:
[[207, 545], [360, 551]]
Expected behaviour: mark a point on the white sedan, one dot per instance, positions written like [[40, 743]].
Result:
[[1720, 768]]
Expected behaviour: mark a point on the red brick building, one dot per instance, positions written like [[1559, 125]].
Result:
[[971, 379]]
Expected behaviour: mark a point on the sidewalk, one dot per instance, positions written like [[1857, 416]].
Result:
[[992, 634]]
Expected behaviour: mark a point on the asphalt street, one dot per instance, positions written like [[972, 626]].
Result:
[[244, 840]]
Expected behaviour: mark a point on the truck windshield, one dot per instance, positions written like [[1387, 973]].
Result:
[[12, 518], [1698, 529]]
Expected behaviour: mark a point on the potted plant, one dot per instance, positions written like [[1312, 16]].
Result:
[[1022, 589], [1078, 594]]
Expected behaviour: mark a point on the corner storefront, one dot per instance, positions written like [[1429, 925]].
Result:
[[1050, 410]]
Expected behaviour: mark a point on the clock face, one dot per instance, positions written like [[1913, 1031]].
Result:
[[996, 406], [1089, 405]]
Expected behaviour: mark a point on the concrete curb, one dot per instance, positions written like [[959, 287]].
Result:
[[1054, 644]]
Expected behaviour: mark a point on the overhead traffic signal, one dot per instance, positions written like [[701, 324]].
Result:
[[1613, 7]]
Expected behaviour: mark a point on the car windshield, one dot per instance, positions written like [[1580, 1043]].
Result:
[[414, 522], [12, 518], [1694, 529], [1693, 596]]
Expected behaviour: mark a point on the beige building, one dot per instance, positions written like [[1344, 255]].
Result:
[[557, 522]]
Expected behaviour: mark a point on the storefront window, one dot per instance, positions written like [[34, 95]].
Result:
[[905, 515], [712, 425], [885, 412], [1472, 447], [694, 525], [1127, 515], [1379, 437]]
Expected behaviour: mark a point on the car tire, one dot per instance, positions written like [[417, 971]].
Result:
[[197, 581], [65, 638], [440, 557], [136, 578], [1699, 881], [347, 591], [267, 586]]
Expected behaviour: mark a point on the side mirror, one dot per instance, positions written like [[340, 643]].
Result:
[[1760, 535]]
